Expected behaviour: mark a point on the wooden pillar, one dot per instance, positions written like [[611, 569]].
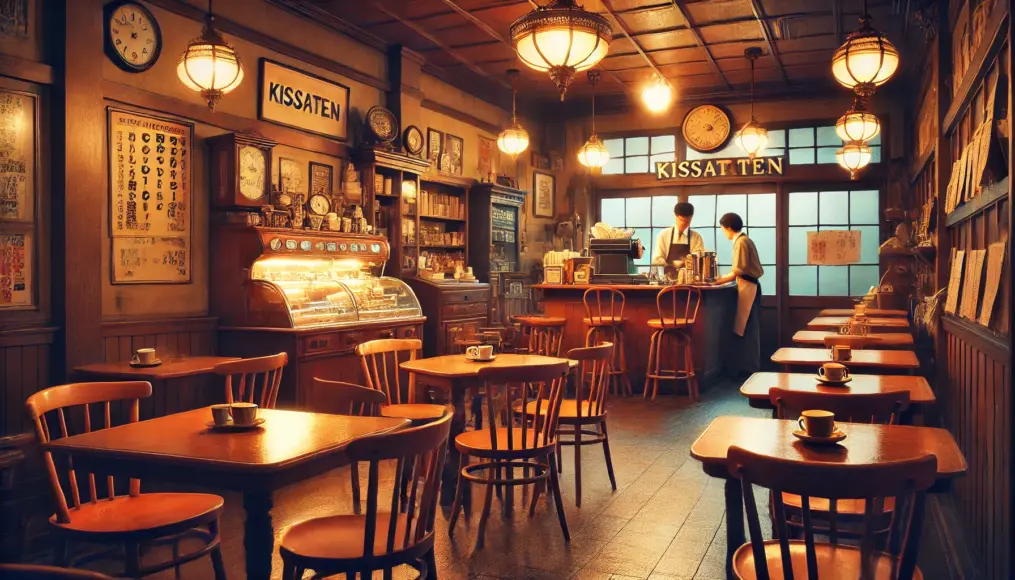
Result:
[[79, 185], [404, 98], [942, 175]]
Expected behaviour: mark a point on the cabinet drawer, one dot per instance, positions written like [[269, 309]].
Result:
[[344, 341], [458, 296], [407, 332], [463, 310]]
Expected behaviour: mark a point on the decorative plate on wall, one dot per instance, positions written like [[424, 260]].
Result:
[[382, 124], [706, 128], [413, 140]]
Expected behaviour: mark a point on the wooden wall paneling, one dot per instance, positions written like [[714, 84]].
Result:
[[24, 370], [170, 337]]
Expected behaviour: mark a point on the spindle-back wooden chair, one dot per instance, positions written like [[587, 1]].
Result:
[[247, 377], [391, 532], [133, 520], [604, 316], [872, 484], [503, 448], [381, 359], [677, 309], [544, 335]]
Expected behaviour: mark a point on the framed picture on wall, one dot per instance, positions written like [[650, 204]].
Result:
[[434, 146], [543, 190], [485, 159], [322, 179], [456, 153], [290, 176]]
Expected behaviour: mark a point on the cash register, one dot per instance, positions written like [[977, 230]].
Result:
[[610, 261]]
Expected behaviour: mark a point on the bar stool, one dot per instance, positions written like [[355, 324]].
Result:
[[604, 315], [542, 334], [673, 325]]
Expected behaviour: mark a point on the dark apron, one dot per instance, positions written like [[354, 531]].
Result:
[[676, 253]]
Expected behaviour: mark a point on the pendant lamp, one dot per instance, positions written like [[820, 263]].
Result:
[[853, 157], [593, 154], [752, 137], [866, 60], [857, 124], [209, 65], [561, 38], [514, 139], [657, 95]]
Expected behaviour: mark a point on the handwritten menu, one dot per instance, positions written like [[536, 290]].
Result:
[[17, 157], [955, 281], [971, 291], [15, 270], [150, 196], [995, 266], [833, 247]]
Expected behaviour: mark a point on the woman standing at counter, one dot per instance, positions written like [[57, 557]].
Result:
[[747, 271]]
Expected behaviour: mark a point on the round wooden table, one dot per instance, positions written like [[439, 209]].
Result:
[[456, 374]]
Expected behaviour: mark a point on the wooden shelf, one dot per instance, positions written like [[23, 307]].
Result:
[[993, 38], [441, 247], [923, 253], [988, 197], [440, 218]]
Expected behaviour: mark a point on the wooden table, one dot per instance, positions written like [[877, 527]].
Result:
[[179, 384], [870, 312], [290, 447], [873, 322], [757, 386], [874, 359], [876, 339], [864, 444], [455, 374]]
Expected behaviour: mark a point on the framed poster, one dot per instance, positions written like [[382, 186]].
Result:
[[290, 176], [149, 198], [18, 130], [303, 101], [540, 161], [485, 158], [322, 179], [543, 190], [434, 146], [455, 149], [16, 271]]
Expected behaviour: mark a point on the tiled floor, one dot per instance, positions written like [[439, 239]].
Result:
[[664, 522]]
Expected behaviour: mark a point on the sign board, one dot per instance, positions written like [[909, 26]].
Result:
[[151, 260], [833, 247], [709, 168], [15, 270], [303, 101]]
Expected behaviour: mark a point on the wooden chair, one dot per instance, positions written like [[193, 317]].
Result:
[[677, 307], [246, 375], [905, 481], [134, 520], [507, 447], [380, 359], [389, 534], [604, 315], [544, 335], [34, 572]]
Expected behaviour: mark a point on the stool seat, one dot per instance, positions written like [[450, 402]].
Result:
[[541, 321], [604, 321], [669, 323], [414, 412], [670, 351]]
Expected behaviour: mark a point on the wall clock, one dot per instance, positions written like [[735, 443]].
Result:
[[706, 128], [133, 40], [240, 165], [413, 140]]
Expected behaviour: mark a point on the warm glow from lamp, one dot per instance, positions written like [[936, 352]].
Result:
[[752, 138], [657, 95], [857, 125], [853, 157], [593, 154], [209, 65], [513, 140], [866, 60]]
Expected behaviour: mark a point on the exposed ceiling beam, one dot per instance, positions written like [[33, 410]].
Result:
[[759, 14], [837, 15], [681, 8], [620, 23]]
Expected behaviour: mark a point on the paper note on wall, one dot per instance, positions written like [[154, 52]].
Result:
[[833, 247], [157, 259]]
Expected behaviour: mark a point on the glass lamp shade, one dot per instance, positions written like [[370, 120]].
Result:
[[752, 138], [853, 157], [210, 66], [513, 140], [857, 126], [865, 61], [593, 154], [657, 95]]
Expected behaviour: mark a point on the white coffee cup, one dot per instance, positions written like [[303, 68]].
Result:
[[481, 352], [834, 372], [221, 415], [244, 413], [144, 356]]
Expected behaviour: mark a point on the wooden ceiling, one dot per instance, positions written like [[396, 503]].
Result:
[[697, 44]]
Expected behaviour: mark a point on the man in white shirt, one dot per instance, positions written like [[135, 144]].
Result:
[[674, 244]]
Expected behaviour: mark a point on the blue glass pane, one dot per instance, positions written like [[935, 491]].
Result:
[[704, 210], [833, 280], [723, 249], [803, 208], [664, 144], [639, 212], [662, 210], [876, 140], [657, 158], [863, 207], [708, 237], [636, 165], [645, 235], [828, 136], [833, 207], [764, 240], [801, 156], [637, 146], [731, 203], [768, 281], [777, 139], [798, 244], [803, 280], [615, 166], [827, 154], [869, 242], [691, 154], [760, 209], [861, 278], [875, 154], [615, 147], [801, 137], [612, 211]]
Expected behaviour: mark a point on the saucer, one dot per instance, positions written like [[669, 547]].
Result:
[[832, 383], [802, 435], [140, 365], [230, 426], [482, 360]]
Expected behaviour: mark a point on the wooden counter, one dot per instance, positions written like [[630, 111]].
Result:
[[713, 330]]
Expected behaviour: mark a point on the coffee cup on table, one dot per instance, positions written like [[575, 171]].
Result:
[[481, 352], [220, 415], [834, 372], [244, 413], [144, 356], [817, 423]]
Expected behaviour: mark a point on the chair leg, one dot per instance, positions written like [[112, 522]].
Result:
[[176, 558], [288, 570], [477, 410], [537, 488], [456, 508], [60, 552], [217, 564], [692, 383], [649, 365], [484, 516], [132, 560], [624, 378], [555, 492], [354, 481], [578, 465], [606, 452], [659, 363], [431, 565]]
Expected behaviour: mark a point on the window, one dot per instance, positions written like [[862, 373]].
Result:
[[833, 210], [803, 146], [776, 146], [638, 154], [647, 216], [758, 213]]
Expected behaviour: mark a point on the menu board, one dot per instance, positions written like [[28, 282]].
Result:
[[15, 270], [995, 266], [17, 157], [149, 198], [833, 247], [971, 287], [955, 281]]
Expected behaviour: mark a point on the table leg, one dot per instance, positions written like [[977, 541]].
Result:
[[451, 464], [258, 534], [734, 522]]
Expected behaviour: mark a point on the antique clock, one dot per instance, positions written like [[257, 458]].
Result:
[[241, 170], [133, 39], [706, 128]]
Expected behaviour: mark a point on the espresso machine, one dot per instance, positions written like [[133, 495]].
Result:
[[701, 267], [611, 257]]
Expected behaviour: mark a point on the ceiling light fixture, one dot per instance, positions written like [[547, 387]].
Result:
[[593, 154], [752, 138], [866, 60], [657, 94], [858, 124], [563, 39], [853, 157], [514, 139], [209, 65]]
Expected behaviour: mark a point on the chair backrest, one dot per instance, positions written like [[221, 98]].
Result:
[[883, 408], [340, 398], [36, 572], [419, 453], [250, 375], [906, 481], [678, 302], [603, 304], [380, 359], [510, 388], [593, 378], [64, 402], [852, 341], [545, 335]]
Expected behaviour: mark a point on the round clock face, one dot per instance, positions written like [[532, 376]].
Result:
[[319, 205], [706, 128], [133, 38], [253, 171], [413, 140]]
